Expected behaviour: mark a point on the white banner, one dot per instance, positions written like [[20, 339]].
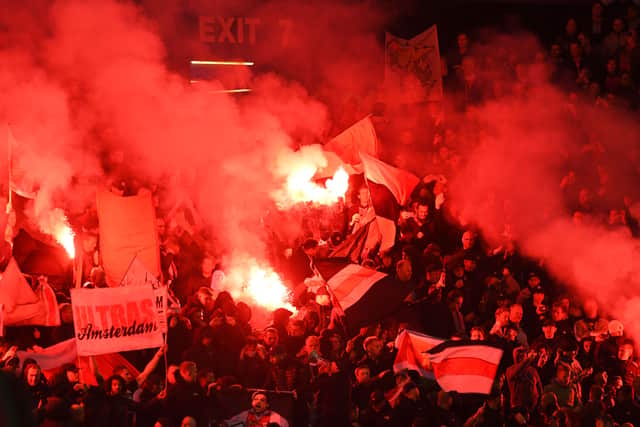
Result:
[[110, 320], [413, 66], [139, 275]]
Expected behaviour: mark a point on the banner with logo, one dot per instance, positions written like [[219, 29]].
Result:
[[413, 66], [110, 320]]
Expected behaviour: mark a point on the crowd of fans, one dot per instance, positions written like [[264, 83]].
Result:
[[566, 361]]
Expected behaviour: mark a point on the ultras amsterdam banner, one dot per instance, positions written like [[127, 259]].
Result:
[[110, 320]]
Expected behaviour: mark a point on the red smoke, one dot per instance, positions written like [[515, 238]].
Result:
[[90, 92], [510, 184]]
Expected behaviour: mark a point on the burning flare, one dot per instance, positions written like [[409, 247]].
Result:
[[298, 170], [65, 236], [260, 285], [55, 224], [300, 187]]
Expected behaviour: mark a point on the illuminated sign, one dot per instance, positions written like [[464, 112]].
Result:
[[243, 30]]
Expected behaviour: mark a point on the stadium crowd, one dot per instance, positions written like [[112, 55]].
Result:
[[566, 361]]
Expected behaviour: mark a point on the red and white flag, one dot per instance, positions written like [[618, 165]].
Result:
[[465, 367], [390, 188], [412, 352], [52, 357], [24, 306], [358, 138], [364, 295], [105, 364]]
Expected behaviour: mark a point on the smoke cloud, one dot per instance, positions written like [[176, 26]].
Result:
[[96, 92], [526, 178]]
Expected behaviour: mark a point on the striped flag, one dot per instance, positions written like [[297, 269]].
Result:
[[358, 138], [358, 244], [364, 295], [390, 189], [464, 366], [412, 353]]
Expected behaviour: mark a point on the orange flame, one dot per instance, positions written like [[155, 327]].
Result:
[[300, 187], [65, 236], [259, 284], [266, 288], [54, 223]]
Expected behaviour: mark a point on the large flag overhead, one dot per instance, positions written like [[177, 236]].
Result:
[[465, 366], [24, 306], [364, 295], [359, 138], [413, 66], [412, 352], [390, 188], [127, 230]]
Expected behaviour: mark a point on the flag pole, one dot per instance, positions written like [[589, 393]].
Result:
[[9, 144]]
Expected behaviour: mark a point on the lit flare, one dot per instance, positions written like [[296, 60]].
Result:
[[55, 223], [258, 284], [65, 236], [301, 188]]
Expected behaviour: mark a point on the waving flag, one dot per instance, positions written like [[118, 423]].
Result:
[[24, 306], [105, 364], [358, 138], [52, 357], [412, 352], [390, 189], [465, 367], [360, 242], [364, 295]]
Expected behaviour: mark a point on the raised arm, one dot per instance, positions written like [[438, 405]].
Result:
[[151, 366]]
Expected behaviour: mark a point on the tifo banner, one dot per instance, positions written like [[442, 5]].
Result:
[[138, 275], [412, 347], [127, 230], [108, 320], [358, 138], [414, 65]]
